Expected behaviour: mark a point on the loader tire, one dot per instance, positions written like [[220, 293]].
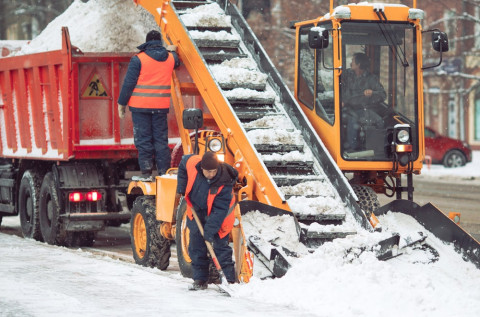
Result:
[[182, 240], [51, 225], [28, 204], [149, 247], [367, 198]]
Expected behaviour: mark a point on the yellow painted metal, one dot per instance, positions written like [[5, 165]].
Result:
[[139, 235], [166, 189], [147, 188], [184, 238]]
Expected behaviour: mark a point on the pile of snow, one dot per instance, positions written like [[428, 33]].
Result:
[[229, 72], [8, 47], [96, 26], [270, 122], [207, 16], [275, 136], [214, 36]]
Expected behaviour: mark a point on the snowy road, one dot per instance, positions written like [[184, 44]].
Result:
[[42, 280]]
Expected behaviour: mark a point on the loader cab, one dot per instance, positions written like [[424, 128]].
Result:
[[362, 132]]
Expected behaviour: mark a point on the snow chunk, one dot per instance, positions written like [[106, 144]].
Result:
[[209, 15], [311, 188], [279, 230], [227, 74], [316, 205], [291, 156], [214, 36], [243, 93], [274, 136], [271, 122], [96, 26]]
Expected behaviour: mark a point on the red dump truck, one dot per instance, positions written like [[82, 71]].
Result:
[[65, 156]]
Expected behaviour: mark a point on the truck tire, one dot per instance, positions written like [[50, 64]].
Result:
[[182, 240], [367, 198], [454, 158], [28, 204], [149, 247], [49, 213]]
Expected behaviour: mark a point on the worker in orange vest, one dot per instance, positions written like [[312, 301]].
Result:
[[207, 185], [146, 90]]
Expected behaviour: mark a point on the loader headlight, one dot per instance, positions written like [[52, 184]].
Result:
[[215, 145], [403, 136]]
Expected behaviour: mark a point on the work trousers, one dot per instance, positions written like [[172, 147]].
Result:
[[199, 254], [150, 135]]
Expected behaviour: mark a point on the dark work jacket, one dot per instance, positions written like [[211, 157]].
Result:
[[155, 50], [226, 177], [353, 88]]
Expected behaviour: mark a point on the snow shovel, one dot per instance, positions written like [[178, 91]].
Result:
[[224, 287]]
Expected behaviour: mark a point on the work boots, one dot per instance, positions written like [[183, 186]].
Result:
[[145, 177], [198, 285]]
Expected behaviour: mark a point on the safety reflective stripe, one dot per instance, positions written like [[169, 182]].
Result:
[[146, 94], [152, 87]]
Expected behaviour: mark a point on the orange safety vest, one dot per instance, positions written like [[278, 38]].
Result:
[[154, 82], [192, 172]]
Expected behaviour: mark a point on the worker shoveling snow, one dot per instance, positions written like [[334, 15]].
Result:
[[96, 26]]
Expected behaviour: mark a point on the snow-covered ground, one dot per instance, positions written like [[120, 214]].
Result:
[[470, 170], [42, 280]]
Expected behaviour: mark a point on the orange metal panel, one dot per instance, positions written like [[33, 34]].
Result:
[[52, 98], [8, 112], [22, 111], [36, 85], [115, 93]]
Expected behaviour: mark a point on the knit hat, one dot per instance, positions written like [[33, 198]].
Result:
[[153, 35], [209, 161]]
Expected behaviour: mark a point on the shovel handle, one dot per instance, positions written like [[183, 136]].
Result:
[[209, 245]]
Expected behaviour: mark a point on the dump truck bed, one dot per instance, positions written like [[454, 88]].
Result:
[[60, 105]]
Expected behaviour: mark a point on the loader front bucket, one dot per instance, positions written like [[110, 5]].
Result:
[[268, 243], [439, 224]]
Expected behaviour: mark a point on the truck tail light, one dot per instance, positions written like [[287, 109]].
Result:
[[94, 196], [90, 196], [76, 197]]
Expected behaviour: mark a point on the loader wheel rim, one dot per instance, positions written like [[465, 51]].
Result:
[[185, 237], [139, 235]]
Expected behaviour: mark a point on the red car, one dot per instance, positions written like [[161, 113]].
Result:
[[447, 151]]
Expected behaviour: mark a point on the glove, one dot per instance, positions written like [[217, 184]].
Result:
[[208, 236], [121, 111], [172, 48]]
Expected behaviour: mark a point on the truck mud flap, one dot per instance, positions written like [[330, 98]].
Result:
[[438, 224]]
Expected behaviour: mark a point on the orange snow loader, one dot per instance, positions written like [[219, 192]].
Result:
[[389, 141], [283, 161]]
